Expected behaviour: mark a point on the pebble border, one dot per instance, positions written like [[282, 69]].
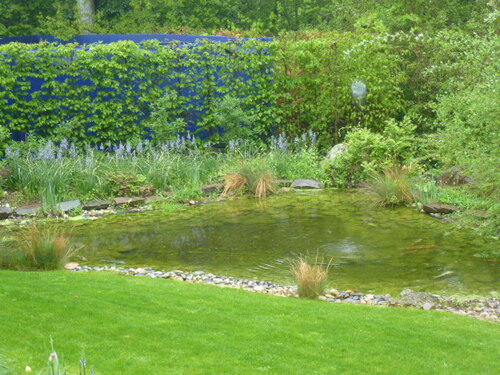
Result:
[[481, 308]]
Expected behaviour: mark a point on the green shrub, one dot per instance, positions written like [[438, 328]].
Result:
[[370, 152]]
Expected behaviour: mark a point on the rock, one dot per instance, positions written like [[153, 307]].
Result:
[[153, 199], [97, 205], [69, 205], [336, 151], [453, 177], [71, 266], [212, 188], [27, 211], [306, 184], [130, 202], [427, 306], [439, 208], [417, 299], [5, 212]]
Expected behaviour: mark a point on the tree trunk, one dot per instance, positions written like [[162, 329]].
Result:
[[86, 10]]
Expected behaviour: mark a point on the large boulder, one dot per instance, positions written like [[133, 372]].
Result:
[[306, 184], [336, 151]]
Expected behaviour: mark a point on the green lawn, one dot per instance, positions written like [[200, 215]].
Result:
[[132, 325]]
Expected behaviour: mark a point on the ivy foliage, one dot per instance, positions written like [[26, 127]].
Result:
[[100, 93]]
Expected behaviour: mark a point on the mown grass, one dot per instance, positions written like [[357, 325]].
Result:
[[128, 325]]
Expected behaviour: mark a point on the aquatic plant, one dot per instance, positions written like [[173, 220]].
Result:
[[311, 278], [38, 248], [392, 187]]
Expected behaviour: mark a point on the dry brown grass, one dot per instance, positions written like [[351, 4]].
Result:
[[42, 248], [265, 184], [311, 278], [234, 182]]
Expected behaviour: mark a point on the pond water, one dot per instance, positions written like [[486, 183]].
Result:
[[372, 250]]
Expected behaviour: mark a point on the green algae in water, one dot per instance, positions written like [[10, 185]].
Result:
[[379, 250]]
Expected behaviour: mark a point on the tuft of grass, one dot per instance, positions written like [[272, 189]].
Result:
[[311, 278], [38, 248], [265, 184], [234, 183], [392, 187]]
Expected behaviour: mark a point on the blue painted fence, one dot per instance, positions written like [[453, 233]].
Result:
[[164, 39]]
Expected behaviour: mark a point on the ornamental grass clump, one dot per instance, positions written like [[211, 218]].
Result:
[[38, 248], [311, 278], [392, 187], [255, 176]]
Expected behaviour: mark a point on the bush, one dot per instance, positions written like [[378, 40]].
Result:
[[370, 152]]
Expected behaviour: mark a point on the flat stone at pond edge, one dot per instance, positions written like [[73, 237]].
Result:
[[212, 188], [5, 212], [27, 211], [439, 208], [153, 199], [69, 205], [131, 202], [306, 184], [97, 205]]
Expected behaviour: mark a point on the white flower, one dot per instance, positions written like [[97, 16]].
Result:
[[28, 369]]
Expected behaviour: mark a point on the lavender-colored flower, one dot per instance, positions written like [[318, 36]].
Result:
[[140, 148], [296, 141], [64, 144], [52, 356], [72, 151], [119, 150], [312, 137], [128, 148], [12, 153], [233, 144], [46, 152], [281, 143], [164, 147]]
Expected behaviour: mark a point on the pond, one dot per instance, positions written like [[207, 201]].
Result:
[[372, 250]]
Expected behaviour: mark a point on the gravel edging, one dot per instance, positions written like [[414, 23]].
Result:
[[481, 308]]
